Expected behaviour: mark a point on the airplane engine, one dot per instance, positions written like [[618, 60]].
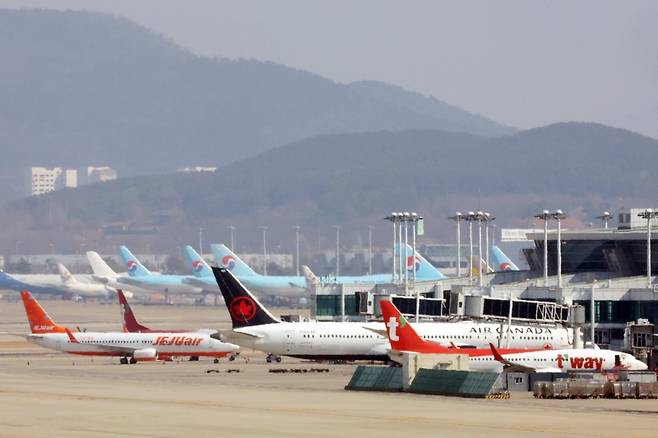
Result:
[[145, 354]]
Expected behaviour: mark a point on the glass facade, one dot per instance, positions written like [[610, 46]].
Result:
[[621, 312]]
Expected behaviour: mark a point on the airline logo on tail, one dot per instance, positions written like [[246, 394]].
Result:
[[228, 261], [392, 326], [197, 265], [131, 265], [242, 308], [410, 263], [505, 266]]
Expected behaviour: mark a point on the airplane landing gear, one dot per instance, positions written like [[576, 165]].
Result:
[[123, 361], [273, 358], [215, 361], [194, 358], [133, 360]]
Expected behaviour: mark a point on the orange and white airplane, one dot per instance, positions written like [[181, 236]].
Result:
[[403, 337], [130, 347]]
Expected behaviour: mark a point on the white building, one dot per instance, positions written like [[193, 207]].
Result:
[[96, 174], [40, 180]]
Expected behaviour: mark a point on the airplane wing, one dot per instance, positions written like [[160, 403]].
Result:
[[508, 365], [232, 334], [380, 332], [107, 347]]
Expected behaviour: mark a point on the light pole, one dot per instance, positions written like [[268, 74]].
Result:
[[264, 228], [545, 216], [605, 217], [470, 218], [458, 218], [648, 214], [297, 250], [337, 227], [370, 228], [201, 241], [487, 218], [394, 218], [231, 229], [558, 216], [479, 218], [406, 219]]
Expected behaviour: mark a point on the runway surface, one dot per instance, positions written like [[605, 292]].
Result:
[[43, 392]]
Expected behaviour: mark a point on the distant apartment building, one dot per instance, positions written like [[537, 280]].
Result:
[[40, 180], [196, 169]]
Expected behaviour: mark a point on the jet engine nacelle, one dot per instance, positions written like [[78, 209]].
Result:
[[145, 354]]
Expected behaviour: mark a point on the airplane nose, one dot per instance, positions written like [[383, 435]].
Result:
[[641, 366]]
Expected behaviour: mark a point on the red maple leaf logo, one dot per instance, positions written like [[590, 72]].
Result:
[[243, 308]]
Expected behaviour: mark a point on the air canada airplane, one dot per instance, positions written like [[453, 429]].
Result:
[[403, 337], [130, 347], [255, 327]]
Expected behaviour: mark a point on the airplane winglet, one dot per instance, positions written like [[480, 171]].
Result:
[[496, 354], [71, 337]]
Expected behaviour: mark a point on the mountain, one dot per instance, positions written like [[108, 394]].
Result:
[[356, 179], [80, 88]]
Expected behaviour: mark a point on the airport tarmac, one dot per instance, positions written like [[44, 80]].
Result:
[[43, 392]]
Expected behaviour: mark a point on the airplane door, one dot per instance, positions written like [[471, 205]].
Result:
[[290, 340]]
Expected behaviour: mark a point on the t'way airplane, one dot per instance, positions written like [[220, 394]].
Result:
[[403, 337], [255, 327], [131, 347]]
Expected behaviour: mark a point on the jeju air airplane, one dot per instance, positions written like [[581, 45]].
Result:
[[130, 347], [403, 338]]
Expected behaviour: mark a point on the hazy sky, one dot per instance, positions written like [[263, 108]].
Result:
[[524, 63]]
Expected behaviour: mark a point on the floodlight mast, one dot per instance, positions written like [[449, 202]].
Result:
[[559, 215], [649, 214], [458, 218], [545, 216]]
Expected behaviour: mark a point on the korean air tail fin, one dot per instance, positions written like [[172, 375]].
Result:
[[500, 261], [196, 263], [98, 265], [402, 335], [39, 320], [133, 265], [225, 258], [130, 323], [244, 308], [424, 269]]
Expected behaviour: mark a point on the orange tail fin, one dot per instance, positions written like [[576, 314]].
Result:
[[39, 320]]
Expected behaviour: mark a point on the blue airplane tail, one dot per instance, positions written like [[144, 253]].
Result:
[[133, 265], [500, 262], [424, 269], [225, 258], [196, 263]]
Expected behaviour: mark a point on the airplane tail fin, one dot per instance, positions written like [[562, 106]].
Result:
[[500, 260], [130, 323], [39, 320], [244, 308], [424, 269], [401, 334], [98, 265], [311, 278], [133, 265], [65, 275], [196, 263], [225, 258]]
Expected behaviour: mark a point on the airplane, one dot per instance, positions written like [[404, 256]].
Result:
[[130, 347], [141, 277], [75, 286], [403, 337], [294, 286], [102, 273], [255, 327], [55, 284]]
